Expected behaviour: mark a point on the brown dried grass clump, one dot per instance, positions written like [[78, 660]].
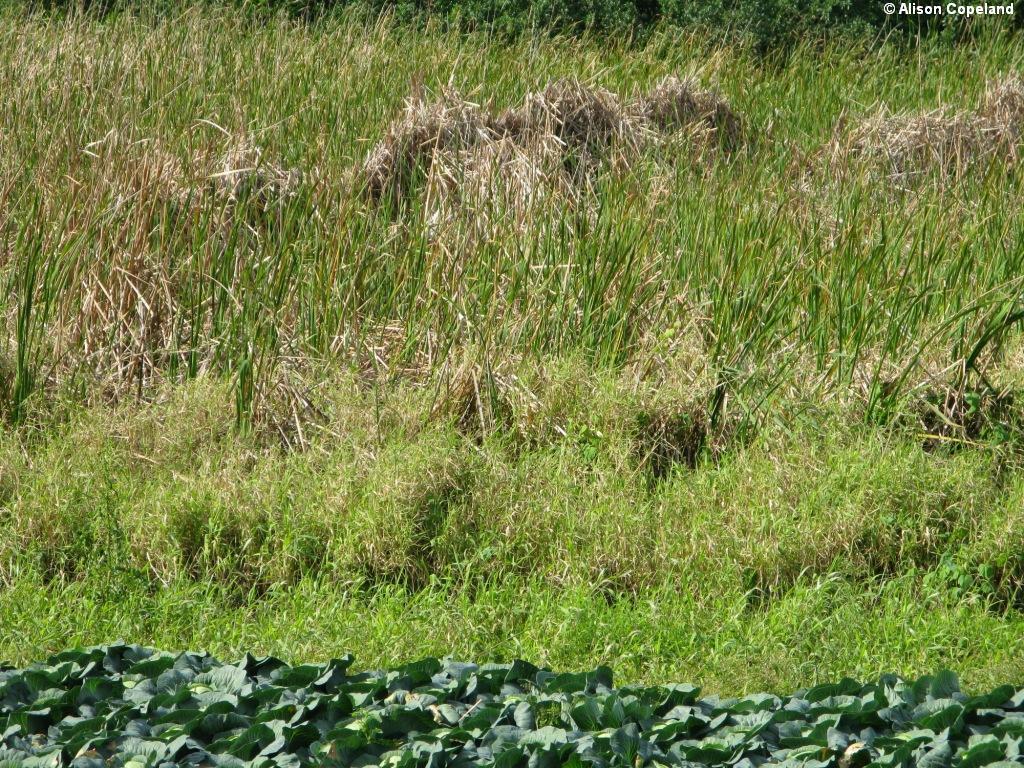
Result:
[[126, 303], [582, 118], [1004, 107], [910, 144], [424, 128], [245, 173], [142, 174], [679, 103], [553, 142], [508, 169], [944, 140], [138, 173], [499, 181]]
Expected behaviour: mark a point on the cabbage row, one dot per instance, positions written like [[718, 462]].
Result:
[[134, 707]]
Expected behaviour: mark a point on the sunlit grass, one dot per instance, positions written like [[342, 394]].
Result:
[[816, 550], [128, 258], [742, 418]]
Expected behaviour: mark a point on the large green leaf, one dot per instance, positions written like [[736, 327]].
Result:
[[123, 706]]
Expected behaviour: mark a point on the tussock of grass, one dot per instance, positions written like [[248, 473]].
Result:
[[424, 128], [675, 103], [544, 152], [133, 169], [246, 174], [943, 139]]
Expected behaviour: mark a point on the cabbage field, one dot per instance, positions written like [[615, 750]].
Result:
[[129, 706]]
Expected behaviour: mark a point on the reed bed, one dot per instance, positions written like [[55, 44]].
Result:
[[200, 195]]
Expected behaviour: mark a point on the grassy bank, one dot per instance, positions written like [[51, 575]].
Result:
[[666, 356], [810, 551]]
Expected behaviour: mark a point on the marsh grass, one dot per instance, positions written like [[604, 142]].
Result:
[[193, 209], [741, 408]]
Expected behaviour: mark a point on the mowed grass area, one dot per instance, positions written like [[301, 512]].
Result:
[[748, 416]]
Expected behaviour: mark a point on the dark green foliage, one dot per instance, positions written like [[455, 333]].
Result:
[[134, 707], [769, 23]]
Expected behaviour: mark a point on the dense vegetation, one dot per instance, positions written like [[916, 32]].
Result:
[[130, 706], [767, 23], [821, 548], [661, 354]]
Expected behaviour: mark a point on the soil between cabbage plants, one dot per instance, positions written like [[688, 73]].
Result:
[[125, 705]]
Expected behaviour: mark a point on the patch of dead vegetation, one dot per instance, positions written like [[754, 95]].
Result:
[[143, 174], [487, 164], [1004, 106], [497, 183], [913, 144], [138, 172], [246, 174], [425, 128], [944, 140], [126, 313], [584, 120], [680, 103]]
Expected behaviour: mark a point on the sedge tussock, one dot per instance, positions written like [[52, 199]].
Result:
[[245, 173], [144, 169], [131, 170], [584, 119], [943, 140], [481, 164], [909, 144], [680, 103], [1004, 108], [568, 114], [497, 186], [425, 127]]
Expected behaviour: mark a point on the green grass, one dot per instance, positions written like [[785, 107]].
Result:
[[743, 419], [759, 261], [823, 629], [803, 555]]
